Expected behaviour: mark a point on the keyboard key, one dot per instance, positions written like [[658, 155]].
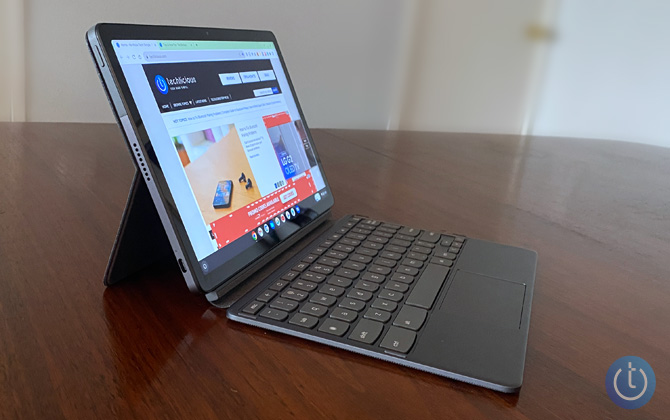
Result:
[[253, 308], [398, 287], [431, 237], [371, 222], [391, 295], [352, 265], [446, 240], [355, 236], [384, 234], [314, 309], [385, 262], [323, 299], [279, 284], [421, 249], [347, 241], [402, 278], [354, 304], [459, 238], [404, 237], [303, 320], [366, 285], [378, 239], [305, 285], [379, 270], [376, 278], [300, 267], [315, 277], [454, 249], [403, 269], [327, 244], [428, 286], [289, 276], [343, 248], [346, 315], [361, 231], [417, 256], [296, 295], [359, 294], [395, 248], [377, 315], [424, 244], [369, 252], [336, 254], [319, 250], [267, 296], [332, 262], [284, 304], [391, 226], [339, 281], [410, 317], [390, 255], [363, 259], [367, 331], [398, 339], [441, 261], [400, 242], [328, 289], [310, 258], [372, 245], [412, 263], [275, 314], [346, 273], [386, 305], [385, 229], [409, 231], [335, 327], [321, 269]]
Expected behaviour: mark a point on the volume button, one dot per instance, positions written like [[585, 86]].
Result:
[[101, 61]]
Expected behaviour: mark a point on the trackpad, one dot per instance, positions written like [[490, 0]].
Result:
[[485, 299]]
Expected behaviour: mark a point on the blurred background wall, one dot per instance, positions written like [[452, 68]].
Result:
[[578, 68]]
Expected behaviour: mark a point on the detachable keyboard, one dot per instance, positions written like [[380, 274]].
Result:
[[364, 286]]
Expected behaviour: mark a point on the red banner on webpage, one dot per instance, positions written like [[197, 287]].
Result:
[[248, 218], [274, 120]]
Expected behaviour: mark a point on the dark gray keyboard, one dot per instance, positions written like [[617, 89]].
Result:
[[366, 283]]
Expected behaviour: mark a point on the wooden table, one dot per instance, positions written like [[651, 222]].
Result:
[[597, 212]]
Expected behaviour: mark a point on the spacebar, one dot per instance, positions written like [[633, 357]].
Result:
[[426, 289]]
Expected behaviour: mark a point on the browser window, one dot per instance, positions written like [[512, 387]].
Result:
[[227, 134]]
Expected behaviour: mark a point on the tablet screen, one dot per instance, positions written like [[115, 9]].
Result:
[[229, 139]]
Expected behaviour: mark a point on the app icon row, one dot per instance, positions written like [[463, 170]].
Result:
[[272, 224]]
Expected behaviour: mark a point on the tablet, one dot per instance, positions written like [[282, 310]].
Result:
[[215, 128]]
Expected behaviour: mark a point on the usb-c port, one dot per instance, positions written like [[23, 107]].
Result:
[[182, 265]]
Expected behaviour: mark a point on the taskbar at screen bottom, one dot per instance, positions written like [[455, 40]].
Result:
[[244, 250]]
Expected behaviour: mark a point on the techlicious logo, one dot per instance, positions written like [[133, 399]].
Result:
[[161, 84], [630, 382], [177, 83]]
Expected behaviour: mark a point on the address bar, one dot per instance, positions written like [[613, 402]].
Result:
[[179, 56]]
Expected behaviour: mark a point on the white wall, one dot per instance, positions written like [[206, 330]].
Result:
[[609, 73], [471, 66], [341, 55]]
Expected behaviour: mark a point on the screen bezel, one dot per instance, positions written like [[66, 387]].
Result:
[[106, 33]]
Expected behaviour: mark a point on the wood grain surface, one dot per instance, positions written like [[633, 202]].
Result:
[[597, 213]]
